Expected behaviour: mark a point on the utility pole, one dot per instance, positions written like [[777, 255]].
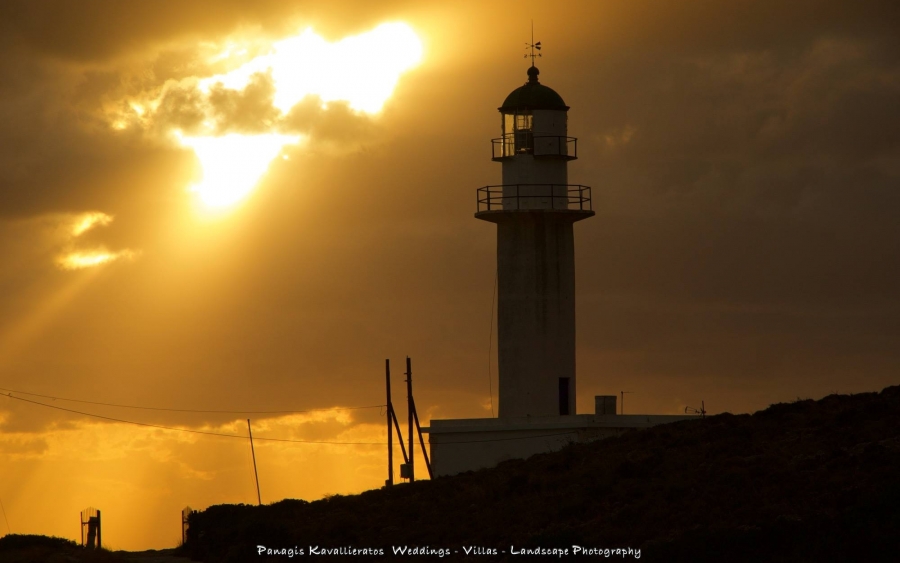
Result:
[[253, 452], [392, 417], [390, 429], [411, 409], [406, 468], [415, 418]]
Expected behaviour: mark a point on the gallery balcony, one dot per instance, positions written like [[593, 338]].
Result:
[[538, 146], [567, 199]]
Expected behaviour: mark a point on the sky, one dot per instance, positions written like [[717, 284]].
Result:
[[235, 206]]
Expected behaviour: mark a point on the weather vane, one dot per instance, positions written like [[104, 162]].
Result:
[[533, 46]]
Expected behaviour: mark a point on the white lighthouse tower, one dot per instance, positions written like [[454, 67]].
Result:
[[535, 209]]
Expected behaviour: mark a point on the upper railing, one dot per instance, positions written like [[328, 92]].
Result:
[[526, 142], [534, 197]]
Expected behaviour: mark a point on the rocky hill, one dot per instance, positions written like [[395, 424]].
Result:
[[802, 481], [27, 548]]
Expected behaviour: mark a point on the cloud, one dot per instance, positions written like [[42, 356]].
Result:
[[183, 107], [79, 260], [19, 446], [334, 123], [90, 220], [619, 137], [73, 128], [247, 111], [73, 257]]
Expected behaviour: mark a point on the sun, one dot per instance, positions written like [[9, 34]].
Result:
[[362, 70], [233, 164]]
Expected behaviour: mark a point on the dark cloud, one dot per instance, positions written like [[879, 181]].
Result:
[[100, 29], [334, 123], [247, 111], [106, 29], [764, 176], [183, 108]]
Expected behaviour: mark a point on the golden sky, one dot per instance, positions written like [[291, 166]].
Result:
[[226, 205]]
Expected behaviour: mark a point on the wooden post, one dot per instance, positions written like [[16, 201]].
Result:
[[94, 537], [185, 517], [94, 530], [390, 428], [410, 408], [422, 442], [255, 473], [399, 435]]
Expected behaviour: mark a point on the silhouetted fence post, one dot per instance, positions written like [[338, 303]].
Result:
[[185, 514], [90, 517]]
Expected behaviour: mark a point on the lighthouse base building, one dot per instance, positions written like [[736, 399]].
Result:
[[535, 209], [469, 444]]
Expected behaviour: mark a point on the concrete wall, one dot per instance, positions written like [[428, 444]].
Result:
[[605, 404], [550, 122], [548, 126], [526, 169], [461, 445], [535, 312], [457, 453]]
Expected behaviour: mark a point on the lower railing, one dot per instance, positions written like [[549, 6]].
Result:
[[521, 197]]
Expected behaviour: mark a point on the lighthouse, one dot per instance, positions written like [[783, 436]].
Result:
[[535, 209]]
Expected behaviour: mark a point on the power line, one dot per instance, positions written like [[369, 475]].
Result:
[[223, 435], [205, 432], [185, 410]]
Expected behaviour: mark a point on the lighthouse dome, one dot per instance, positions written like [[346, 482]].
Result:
[[533, 95]]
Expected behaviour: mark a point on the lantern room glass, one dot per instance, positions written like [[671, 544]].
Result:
[[517, 133]]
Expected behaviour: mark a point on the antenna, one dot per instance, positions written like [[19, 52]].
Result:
[[532, 46], [701, 411], [623, 399]]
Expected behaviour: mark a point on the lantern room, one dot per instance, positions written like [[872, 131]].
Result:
[[533, 122]]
